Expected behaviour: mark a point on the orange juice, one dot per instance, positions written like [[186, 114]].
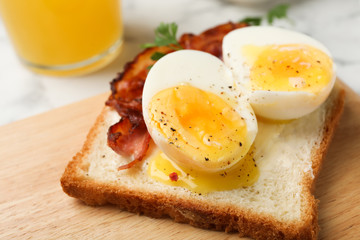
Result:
[[64, 36]]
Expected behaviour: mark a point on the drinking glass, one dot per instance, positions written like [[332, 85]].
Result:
[[64, 37]]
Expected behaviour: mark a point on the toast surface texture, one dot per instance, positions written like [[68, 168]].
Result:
[[280, 205]]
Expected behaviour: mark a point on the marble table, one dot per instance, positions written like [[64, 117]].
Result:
[[333, 22]]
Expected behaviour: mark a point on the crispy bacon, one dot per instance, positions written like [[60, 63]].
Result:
[[129, 139], [129, 136], [126, 98], [211, 40]]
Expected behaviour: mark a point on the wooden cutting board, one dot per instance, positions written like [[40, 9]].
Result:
[[35, 151]]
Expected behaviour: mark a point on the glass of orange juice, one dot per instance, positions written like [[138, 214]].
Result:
[[64, 37]]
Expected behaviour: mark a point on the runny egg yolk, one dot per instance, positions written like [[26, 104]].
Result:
[[202, 130], [288, 67], [244, 173]]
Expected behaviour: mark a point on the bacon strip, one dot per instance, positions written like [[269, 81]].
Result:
[[129, 136], [209, 41], [126, 98]]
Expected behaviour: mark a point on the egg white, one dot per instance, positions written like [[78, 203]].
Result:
[[279, 105]]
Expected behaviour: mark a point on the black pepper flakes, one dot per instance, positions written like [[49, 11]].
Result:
[[173, 129], [206, 159]]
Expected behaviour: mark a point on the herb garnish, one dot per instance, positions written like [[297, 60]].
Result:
[[157, 55], [253, 21], [165, 35], [277, 12]]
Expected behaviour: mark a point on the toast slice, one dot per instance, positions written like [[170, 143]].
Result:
[[280, 205]]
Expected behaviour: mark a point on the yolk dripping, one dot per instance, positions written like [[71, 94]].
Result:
[[289, 67], [244, 173], [204, 129]]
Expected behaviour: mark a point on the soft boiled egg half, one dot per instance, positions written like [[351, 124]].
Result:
[[287, 74], [194, 114]]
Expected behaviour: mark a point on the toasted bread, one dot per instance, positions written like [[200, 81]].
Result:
[[280, 205]]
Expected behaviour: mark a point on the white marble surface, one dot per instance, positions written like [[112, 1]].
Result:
[[336, 23]]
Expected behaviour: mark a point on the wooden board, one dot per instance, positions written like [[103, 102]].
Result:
[[35, 151]]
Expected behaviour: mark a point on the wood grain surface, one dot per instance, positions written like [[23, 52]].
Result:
[[35, 151]]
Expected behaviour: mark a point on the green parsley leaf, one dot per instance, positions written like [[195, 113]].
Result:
[[165, 35], [279, 11], [148, 45], [253, 21], [157, 55]]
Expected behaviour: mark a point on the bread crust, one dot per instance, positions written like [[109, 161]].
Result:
[[310, 217], [196, 212]]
